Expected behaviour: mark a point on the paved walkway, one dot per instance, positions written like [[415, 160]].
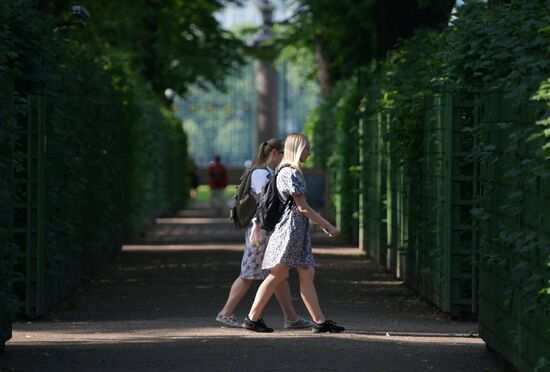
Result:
[[153, 309]]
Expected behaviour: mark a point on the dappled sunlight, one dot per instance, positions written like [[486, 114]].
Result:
[[376, 283], [340, 251], [157, 267], [182, 247], [226, 247], [422, 148], [113, 332], [237, 350], [158, 302], [192, 221]]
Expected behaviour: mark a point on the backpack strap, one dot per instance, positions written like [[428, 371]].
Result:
[[290, 200]]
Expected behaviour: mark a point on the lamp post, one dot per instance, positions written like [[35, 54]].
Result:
[[170, 95], [80, 16], [267, 89]]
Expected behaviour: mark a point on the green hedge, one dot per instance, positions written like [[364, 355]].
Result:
[[510, 54], [514, 235], [333, 130], [395, 88], [486, 50], [12, 105], [116, 157]]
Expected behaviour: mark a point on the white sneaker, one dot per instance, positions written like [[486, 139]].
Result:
[[298, 324], [228, 321]]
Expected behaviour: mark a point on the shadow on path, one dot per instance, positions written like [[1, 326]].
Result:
[[153, 308]]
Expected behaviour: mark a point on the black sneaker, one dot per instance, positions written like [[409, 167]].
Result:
[[328, 326], [257, 326]]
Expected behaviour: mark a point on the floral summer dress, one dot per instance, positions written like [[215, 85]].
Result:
[[251, 264], [290, 242]]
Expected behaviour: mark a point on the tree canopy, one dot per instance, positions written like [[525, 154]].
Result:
[[347, 34], [171, 43]]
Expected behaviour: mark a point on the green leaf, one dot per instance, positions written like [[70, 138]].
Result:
[[541, 363]]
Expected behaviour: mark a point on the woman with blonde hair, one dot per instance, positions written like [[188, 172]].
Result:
[[289, 245], [268, 156]]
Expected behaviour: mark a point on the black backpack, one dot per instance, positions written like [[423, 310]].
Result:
[[270, 205], [244, 206]]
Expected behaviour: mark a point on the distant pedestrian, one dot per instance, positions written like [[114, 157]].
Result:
[[289, 245], [267, 158], [217, 180]]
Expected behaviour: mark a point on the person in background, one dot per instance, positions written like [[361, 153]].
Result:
[[267, 158], [217, 180]]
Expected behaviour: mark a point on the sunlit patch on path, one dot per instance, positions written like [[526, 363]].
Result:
[[153, 308]]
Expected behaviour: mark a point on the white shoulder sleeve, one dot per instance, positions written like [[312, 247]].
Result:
[[259, 179]]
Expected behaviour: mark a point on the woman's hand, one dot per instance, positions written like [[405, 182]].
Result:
[[257, 235], [332, 231]]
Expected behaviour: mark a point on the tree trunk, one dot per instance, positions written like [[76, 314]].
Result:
[[323, 73]]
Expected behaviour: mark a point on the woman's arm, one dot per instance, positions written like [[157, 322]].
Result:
[[306, 210]]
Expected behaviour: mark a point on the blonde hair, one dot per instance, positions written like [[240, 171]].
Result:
[[295, 144]]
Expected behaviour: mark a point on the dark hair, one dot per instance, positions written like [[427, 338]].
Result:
[[265, 148]]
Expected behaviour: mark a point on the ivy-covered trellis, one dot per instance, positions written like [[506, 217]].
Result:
[[496, 57], [105, 153]]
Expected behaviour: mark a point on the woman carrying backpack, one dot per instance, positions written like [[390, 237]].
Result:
[[267, 158], [289, 245]]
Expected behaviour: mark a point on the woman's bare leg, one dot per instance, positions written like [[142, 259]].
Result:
[[309, 294], [238, 290], [278, 274], [282, 293]]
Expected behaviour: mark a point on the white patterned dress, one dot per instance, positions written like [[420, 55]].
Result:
[[290, 242], [251, 264]]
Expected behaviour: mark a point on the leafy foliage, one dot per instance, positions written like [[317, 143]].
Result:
[[172, 44], [410, 76], [350, 33], [397, 88], [503, 48], [509, 54], [333, 132], [16, 59], [116, 156], [500, 55]]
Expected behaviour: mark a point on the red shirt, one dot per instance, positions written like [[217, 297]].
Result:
[[217, 176]]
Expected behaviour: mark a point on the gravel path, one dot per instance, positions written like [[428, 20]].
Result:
[[153, 308]]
